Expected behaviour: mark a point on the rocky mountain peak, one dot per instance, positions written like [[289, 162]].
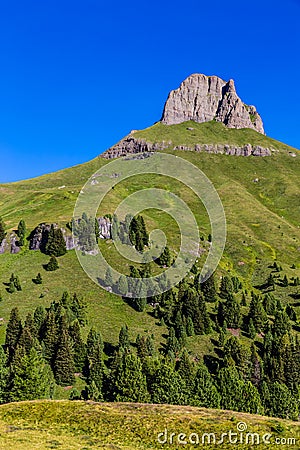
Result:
[[203, 98]]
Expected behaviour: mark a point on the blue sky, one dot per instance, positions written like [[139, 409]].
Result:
[[76, 76]]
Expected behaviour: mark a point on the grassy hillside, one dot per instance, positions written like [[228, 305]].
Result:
[[77, 425], [207, 133], [263, 221]]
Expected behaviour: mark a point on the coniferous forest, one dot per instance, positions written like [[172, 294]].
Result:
[[256, 370]]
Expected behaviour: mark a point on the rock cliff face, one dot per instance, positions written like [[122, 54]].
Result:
[[201, 98], [130, 145]]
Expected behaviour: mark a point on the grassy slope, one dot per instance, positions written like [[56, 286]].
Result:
[[78, 425], [207, 133], [262, 220]]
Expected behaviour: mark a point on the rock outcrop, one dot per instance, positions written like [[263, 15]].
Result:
[[130, 145], [39, 236], [202, 98]]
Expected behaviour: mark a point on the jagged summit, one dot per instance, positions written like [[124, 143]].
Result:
[[203, 98]]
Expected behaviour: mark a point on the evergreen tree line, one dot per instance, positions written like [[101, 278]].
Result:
[[49, 349]]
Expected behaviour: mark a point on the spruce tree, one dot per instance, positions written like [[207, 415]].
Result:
[[226, 287], [166, 386], [26, 340], [230, 387], [13, 330], [204, 392], [257, 313], [56, 245], [52, 264], [129, 381], [38, 319], [49, 337], [108, 280], [189, 327], [208, 288], [11, 288], [38, 279], [96, 368], [124, 337], [280, 402], [172, 346], [79, 349], [21, 232], [31, 379], [64, 362], [141, 346], [122, 285], [285, 281], [186, 371], [229, 311], [17, 283]]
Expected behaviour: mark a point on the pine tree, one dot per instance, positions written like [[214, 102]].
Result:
[[64, 362], [52, 264], [251, 329], [78, 308], [257, 313], [285, 281], [229, 311], [150, 345], [129, 381], [31, 379], [271, 282], [11, 288], [21, 232], [208, 288], [172, 346], [38, 319], [13, 330], [122, 285], [29, 324], [189, 327], [79, 350], [250, 401], [230, 388], [2, 230], [139, 303], [204, 392], [164, 260], [96, 369], [49, 337], [280, 402], [281, 324], [166, 386], [244, 299], [108, 277], [56, 245], [26, 340], [256, 373], [226, 287], [186, 371], [17, 283], [38, 279], [124, 337]]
